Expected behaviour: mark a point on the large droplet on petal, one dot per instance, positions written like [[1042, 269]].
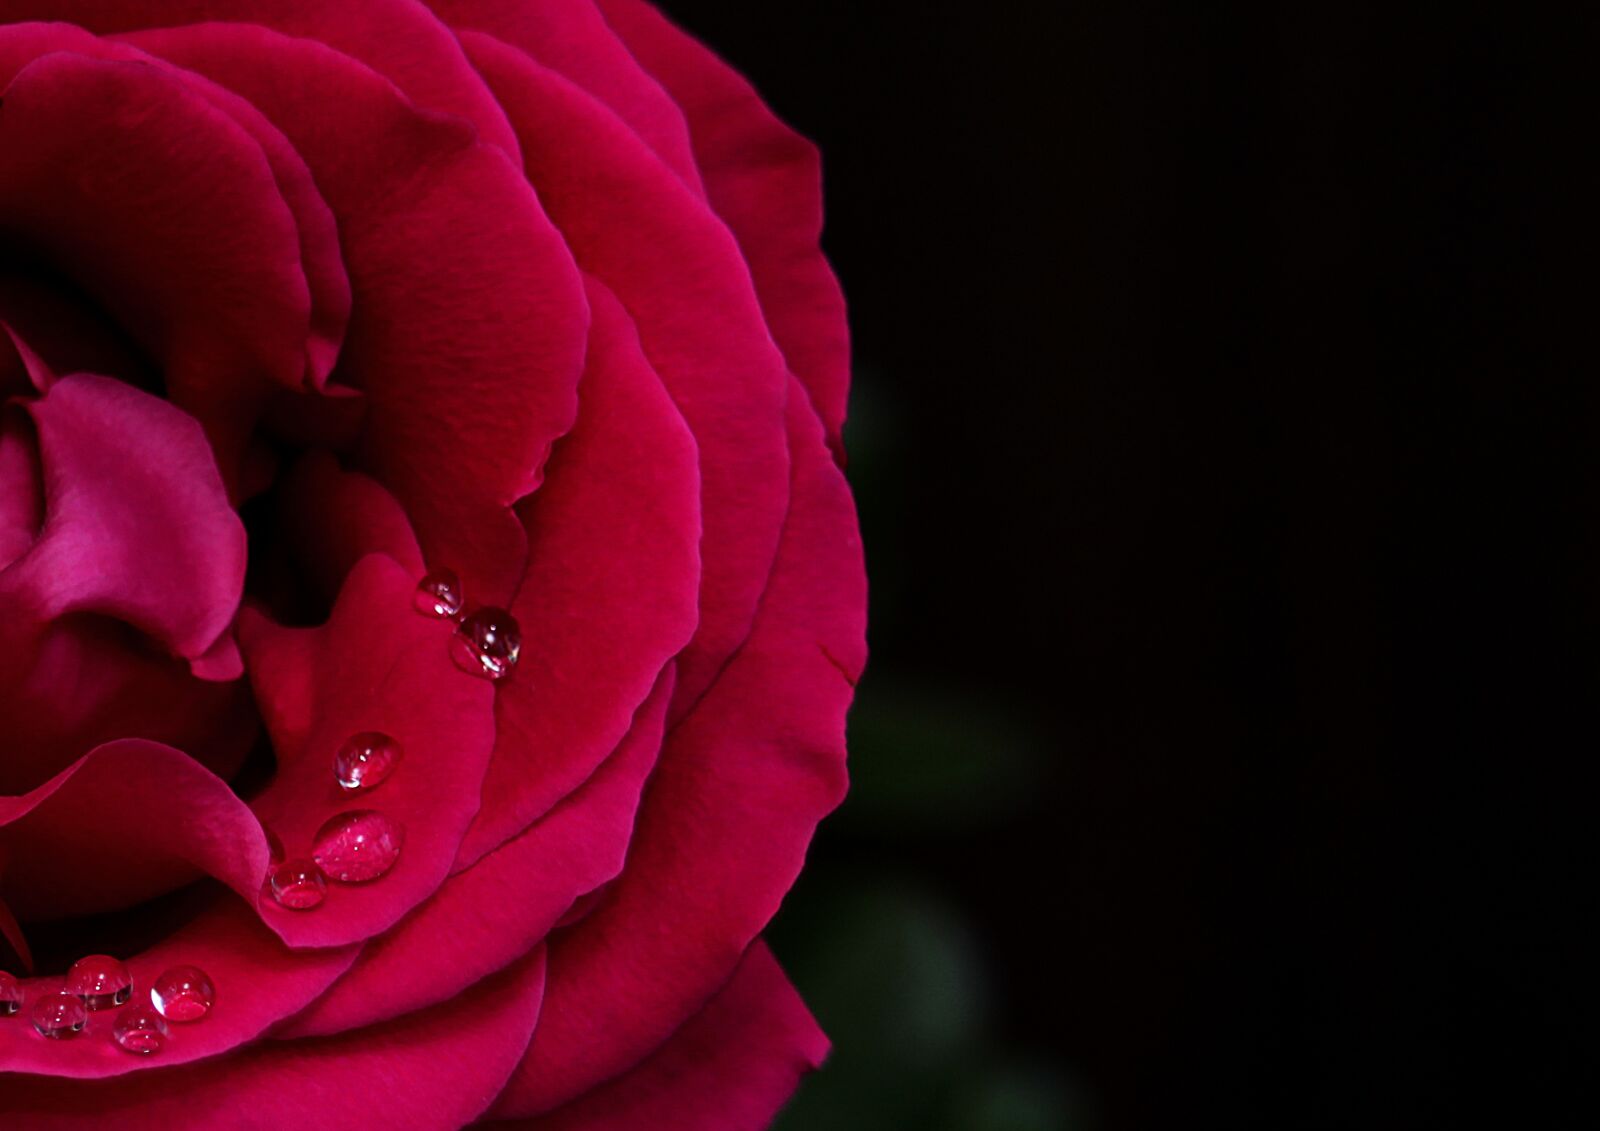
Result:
[[364, 760], [184, 993], [10, 994], [357, 846], [297, 884], [100, 980], [440, 595], [60, 1016], [487, 643], [139, 1030]]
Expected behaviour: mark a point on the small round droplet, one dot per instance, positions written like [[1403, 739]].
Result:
[[100, 980], [10, 994], [357, 846], [139, 1030], [439, 595], [183, 993], [365, 760], [59, 1016], [487, 643], [298, 884]]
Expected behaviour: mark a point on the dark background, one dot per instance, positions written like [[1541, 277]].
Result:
[[1225, 438]]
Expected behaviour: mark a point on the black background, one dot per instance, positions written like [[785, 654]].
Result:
[[1225, 436]]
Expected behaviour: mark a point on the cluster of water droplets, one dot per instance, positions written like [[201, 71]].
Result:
[[353, 847], [99, 982], [360, 845]]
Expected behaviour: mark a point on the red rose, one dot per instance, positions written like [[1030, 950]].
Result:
[[300, 302]]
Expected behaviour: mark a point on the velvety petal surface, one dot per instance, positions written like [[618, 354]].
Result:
[[376, 665], [730, 1068], [469, 321], [259, 985], [730, 809], [68, 844], [611, 589], [506, 903], [765, 181], [431, 1070], [679, 274]]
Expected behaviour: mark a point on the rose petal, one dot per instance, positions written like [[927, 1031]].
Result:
[[424, 1072], [64, 328], [138, 525], [376, 665], [506, 903], [621, 490], [167, 210], [399, 39], [571, 37], [68, 842], [469, 320], [731, 806], [331, 518], [765, 181], [679, 274], [730, 1068], [258, 985]]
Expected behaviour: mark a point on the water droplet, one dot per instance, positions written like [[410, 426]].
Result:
[[365, 760], [487, 643], [139, 1030], [59, 1016], [357, 846], [183, 993], [100, 980], [10, 994], [439, 595], [298, 884]]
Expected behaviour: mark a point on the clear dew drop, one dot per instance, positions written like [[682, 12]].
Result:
[[184, 993], [439, 594], [10, 994], [100, 980], [487, 643], [357, 846], [365, 760], [297, 884], [140, 1030], [59, 1016]]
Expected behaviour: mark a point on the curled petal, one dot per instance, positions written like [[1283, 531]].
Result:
[[138, 525]]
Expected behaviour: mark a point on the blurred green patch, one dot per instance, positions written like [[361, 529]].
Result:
[[898, 982], [937, 761]]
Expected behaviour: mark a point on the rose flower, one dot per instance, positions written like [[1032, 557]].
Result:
[[430, 594]]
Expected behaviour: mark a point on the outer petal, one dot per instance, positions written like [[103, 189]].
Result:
[[570, 36], [723, 830], [399, 39], [730, 1068], [679, 274], [610, 592], [424, 1072], [765, 181], [469, 321]]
